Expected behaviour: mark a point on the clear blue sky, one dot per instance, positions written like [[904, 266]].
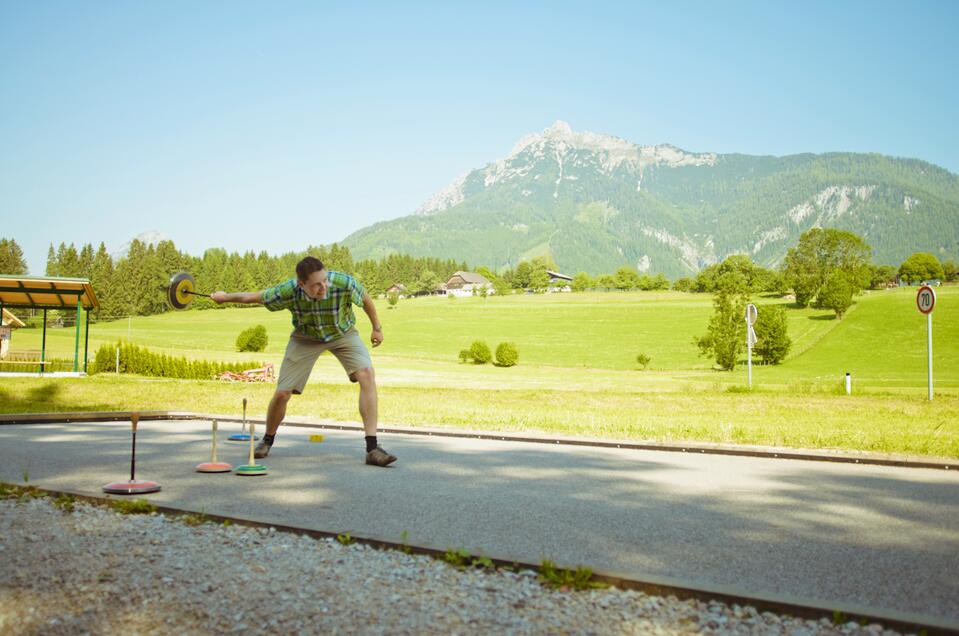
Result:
[[273, 125]]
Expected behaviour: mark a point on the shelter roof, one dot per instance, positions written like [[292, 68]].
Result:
[[46, 293]]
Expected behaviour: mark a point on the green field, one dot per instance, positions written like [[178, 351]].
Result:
[[881, 341], [577, 372]]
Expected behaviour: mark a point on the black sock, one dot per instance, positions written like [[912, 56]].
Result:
[[370, 442], [269, 439]]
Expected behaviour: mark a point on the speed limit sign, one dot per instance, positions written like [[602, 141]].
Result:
[[926, 299]]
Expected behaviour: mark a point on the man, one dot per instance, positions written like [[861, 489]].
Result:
[[321, 302]]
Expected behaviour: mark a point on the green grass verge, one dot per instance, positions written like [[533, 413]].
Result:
[[812, 418]]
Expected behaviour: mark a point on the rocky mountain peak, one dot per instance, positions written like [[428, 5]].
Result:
[[557, 144], [150, 237], [562, 137]]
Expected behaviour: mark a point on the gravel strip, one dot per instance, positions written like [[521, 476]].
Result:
[[94, 571]]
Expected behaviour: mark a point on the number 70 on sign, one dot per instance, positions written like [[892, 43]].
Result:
[[926, 299]]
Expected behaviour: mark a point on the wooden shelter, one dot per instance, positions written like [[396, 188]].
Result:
[[51, 293]]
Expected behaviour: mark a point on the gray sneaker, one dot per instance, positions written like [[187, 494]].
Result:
[[262, 450], [379, 457]]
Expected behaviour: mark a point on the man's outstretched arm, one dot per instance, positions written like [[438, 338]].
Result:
[[244, 298]]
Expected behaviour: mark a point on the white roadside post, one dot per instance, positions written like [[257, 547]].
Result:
[[926, 302], [751, 315]]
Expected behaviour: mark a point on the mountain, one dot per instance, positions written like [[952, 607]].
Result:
[[151, 237], [595, 202]]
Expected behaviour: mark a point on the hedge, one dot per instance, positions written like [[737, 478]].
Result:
[[142, 361]]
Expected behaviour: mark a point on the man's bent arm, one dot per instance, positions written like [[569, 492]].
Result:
[[370, 310], [377, 336]]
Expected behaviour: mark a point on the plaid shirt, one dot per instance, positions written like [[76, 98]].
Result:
[[324, 319]]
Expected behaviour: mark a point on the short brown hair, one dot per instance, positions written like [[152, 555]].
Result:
[[307, 266]]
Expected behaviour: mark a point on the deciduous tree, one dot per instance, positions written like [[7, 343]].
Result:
[[819, 253], [921, 266], [772, 337], [837, 293], [725, 336]]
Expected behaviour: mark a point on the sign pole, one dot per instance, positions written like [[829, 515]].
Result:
[[929, 349], [751, 315], [926, 302]]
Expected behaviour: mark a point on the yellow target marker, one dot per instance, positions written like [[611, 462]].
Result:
[[180, 291]]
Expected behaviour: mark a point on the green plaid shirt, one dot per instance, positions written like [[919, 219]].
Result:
[[323, 319]]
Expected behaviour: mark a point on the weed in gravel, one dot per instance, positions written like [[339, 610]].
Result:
[[457, 558], [345, 539], [65, 502], [30, 492], [20, 493], [405, 548], [195, 519], [579, 579], [133, 507]]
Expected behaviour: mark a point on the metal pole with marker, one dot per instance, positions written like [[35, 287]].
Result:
[[134, 486], [926, 302], [752, 314]]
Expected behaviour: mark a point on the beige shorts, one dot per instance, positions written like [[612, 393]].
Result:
[[302, 352]]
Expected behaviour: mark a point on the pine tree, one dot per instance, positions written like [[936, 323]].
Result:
[[53, 267], [11, 258], [85, 265], [101, 279]]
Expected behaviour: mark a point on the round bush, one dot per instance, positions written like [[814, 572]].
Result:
[[480, 352], [643, 360], [252, 339], [506, 354]]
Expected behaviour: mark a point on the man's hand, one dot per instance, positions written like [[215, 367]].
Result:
[[377, 337], [219, 297]]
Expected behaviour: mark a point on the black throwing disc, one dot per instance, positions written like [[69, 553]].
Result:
[[179, 292]]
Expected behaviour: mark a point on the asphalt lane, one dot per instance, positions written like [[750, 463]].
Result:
[[880, 537]]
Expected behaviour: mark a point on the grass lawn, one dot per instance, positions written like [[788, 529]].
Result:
[[577, 373], [885, 423]]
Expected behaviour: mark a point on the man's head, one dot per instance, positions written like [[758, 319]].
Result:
[[311, 277]]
